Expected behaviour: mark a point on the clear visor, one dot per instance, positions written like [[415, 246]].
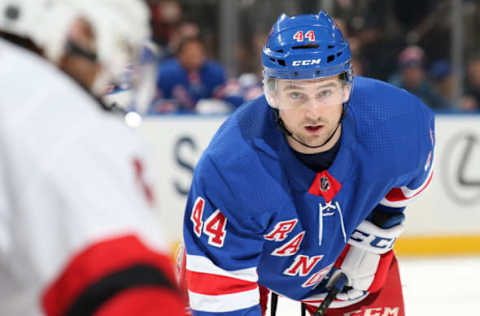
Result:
[[134, 87], [144, 87], [325, 92]]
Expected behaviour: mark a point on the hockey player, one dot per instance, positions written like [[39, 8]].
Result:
[[76, 233], [307, 182]]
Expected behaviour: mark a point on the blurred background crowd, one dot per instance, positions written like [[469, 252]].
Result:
[[208, 58]]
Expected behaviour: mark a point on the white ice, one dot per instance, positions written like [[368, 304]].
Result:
[[432, 287]]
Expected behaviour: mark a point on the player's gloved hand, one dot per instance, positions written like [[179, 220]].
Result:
[[366, 259]]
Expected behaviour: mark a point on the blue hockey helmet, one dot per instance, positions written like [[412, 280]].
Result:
[[306, 47]]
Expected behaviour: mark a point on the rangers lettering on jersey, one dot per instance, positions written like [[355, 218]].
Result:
[[291, 247], [302, 265], [281, 230], [317, 277]]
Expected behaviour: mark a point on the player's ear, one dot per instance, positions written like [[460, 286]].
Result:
[[347, 90], [271, 99]]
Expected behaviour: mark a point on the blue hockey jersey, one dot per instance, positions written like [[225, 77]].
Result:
[[182, 89], [257, 216]]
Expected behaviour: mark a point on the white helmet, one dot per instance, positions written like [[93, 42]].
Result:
[[120, 26]]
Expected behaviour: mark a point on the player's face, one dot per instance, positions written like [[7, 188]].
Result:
[[311, 109], [192, 55]]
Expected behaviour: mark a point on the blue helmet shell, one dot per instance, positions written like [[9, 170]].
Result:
[[306, 47]]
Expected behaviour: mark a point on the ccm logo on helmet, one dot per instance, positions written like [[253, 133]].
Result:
[[306, 62]]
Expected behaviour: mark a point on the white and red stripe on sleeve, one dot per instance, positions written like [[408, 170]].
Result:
[[401, 197], [213, 289]]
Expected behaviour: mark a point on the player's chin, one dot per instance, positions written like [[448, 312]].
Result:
[[313, 140]]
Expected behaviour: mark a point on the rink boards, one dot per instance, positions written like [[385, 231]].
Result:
[[445, 220]]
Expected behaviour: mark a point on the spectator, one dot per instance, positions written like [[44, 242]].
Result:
[[250, 86], [355, 47], [472, 87], [166, 16], [379, 40], [184, 30], [412, 77], [443, 82], [189, 77]]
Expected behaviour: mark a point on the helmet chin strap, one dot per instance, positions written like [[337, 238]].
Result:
[[284, 129]]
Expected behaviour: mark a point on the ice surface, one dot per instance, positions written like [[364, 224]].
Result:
[[432, 287]]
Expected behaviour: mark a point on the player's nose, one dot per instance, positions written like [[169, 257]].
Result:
[[313, 109]]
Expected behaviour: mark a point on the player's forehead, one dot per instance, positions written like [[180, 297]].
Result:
[[317, 83]]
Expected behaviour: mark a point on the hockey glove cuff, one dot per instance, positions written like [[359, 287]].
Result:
[[367, 258]]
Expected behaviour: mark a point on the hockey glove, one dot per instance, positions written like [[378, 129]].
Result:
[[367, 258]]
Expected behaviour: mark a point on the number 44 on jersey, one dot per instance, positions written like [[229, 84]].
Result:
[[213, 226]]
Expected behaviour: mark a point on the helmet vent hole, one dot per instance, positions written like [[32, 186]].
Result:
[[279, 51], [317, 72], [305, 46], [331, 46], [281, 62], [339, 54], [330, 58], [272, 59]]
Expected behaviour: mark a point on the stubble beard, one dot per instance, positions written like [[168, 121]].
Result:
[[315, 139]]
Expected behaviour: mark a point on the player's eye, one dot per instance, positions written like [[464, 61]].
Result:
[[296, 95], [325, 93]]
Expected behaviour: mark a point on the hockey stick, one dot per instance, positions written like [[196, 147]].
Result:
[[336, 286], [273, 305]]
